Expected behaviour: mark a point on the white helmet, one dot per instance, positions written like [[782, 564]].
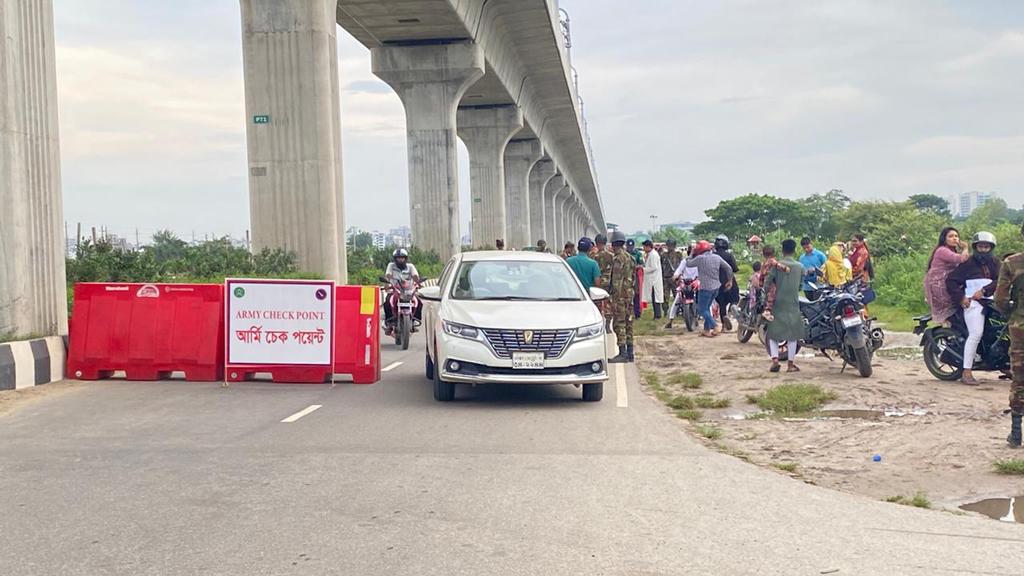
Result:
[[983, 237], [400, 253]]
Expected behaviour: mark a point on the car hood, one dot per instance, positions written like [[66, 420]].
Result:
[[522, 315]]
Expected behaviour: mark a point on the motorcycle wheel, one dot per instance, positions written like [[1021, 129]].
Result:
[[744, 334], [863, 357], [406, 329], [762, 334], [688, 316], [933, 356]]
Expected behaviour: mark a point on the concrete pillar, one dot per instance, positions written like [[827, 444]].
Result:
[[486, 131], [551, 191], [541, 174], [431, 80], [33, 287], [293, 125], [520, 157], [562, 222]]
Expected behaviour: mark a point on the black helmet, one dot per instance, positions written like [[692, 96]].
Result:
[[600, 239], [722, 242], [618, 238]]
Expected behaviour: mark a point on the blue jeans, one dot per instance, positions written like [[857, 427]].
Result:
[[705, 298]]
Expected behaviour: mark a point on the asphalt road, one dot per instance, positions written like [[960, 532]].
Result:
[[193, 479]]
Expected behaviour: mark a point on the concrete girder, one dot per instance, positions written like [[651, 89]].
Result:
[[520, 158], [33, 286], [430, 80], [296, 197], [541, 174], [486, 132]]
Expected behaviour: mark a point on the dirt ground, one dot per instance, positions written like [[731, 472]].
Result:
[[933, 437]]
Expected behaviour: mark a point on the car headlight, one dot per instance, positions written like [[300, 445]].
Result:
[[592, 331], [461, 330]]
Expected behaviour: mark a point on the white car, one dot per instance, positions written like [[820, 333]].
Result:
[[513, 318]]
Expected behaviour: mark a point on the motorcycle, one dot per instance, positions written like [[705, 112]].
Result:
[[404, 303], [687, 301], [944, 347], [836, 322], [749, 315]]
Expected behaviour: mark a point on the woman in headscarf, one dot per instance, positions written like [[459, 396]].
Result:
[[836, 272], [947, 255], [972, 281]]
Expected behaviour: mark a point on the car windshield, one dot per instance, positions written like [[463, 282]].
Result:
[[516, 280]]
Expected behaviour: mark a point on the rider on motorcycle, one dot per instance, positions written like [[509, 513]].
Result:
[[399, 270], [681, 277], [969, 283]]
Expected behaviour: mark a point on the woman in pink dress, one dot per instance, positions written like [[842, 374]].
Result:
[[950, 252]]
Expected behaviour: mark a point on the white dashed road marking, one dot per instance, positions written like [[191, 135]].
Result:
[[298, 415], [392, 366], [621, 398]]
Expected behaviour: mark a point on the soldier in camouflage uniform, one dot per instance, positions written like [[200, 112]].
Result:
[[604, 262], [1011, 287], [670, 260], [621, 284]]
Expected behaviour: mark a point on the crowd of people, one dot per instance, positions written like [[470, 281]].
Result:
[[959, 278]]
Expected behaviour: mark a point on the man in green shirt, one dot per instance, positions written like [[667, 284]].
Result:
[[585, 267]]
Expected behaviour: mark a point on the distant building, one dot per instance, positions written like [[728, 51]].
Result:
[[380, 240], [684, 226], [964, 204], [400, 237]]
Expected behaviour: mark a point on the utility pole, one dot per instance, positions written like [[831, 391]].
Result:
[[248, 245], [137, 239], [78, 238], [94, 235]]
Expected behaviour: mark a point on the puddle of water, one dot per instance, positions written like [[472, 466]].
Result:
[[1002, 509]]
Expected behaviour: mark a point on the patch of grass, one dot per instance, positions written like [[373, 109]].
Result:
[[918, 500], [790, 399], [735, 453], [682, 403], [708, 401], [688, 380], [689, 414], [785, 466], [710, 432], [646, 325], [651, 378], [895, 319], [753, 398], [1009, 466]]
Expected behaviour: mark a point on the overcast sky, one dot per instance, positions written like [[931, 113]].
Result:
[[689, 102]]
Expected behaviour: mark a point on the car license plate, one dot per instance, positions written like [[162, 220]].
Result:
[[527, 360], [851, 322]]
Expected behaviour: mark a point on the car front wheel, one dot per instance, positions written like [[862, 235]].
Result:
[[593, 392], [443, 391]]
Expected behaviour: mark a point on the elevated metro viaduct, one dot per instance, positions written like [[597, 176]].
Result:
[[495, 73]]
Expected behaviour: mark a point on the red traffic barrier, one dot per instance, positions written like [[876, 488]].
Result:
[[357, 333], [148, 331]]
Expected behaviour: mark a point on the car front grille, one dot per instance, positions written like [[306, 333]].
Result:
[[551, 342]]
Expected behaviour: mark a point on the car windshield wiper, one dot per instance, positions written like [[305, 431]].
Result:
[[502, 298]]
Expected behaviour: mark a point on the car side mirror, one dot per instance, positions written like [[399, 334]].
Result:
[[598, 294], [432, 293]]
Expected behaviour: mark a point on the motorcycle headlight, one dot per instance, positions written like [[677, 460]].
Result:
[[592, 331], [461, 330]]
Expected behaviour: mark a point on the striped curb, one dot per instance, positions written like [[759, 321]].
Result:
[[32, 362]]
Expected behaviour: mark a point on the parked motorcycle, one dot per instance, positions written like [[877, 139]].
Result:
[[749, 314], [944, 347], [836, 322], [404, 302]]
